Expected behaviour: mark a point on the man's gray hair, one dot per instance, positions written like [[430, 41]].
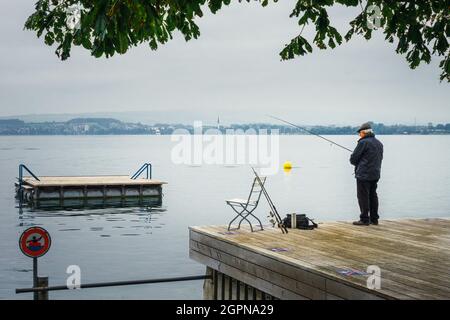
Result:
[[367, 131]]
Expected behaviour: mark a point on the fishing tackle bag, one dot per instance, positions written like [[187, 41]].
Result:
[[302, 222]]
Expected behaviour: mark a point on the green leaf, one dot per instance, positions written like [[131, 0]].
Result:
[[49, 38], [123, 43]]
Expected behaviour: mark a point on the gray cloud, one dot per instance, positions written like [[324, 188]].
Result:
[[233, 70]]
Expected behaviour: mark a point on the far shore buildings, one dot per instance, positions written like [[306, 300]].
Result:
[[109, 126]]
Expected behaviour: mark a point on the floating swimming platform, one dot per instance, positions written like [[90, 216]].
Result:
[[56, 189]]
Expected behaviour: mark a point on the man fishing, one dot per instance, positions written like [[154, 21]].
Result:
[[367, 158]]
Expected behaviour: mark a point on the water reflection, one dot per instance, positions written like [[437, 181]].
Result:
[[132, 218], [94, 203]]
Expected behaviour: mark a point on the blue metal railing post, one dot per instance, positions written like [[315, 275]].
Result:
[[20, 190], [23, 167], [149, 170], [145, 167]]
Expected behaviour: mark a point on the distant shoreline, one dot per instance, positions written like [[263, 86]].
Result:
[[114, 127], [165, 135]]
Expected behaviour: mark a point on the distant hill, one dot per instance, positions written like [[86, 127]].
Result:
[[146, 117], [11, 122], [101, 121], [77, 126]]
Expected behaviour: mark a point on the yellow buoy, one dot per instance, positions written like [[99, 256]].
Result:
[[287, 165]]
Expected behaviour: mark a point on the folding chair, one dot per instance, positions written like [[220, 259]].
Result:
[[245, 207]]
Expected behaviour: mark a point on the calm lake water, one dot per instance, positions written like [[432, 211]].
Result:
[[139, 243]]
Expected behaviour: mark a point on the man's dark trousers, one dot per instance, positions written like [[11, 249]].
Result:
[[368, 200]]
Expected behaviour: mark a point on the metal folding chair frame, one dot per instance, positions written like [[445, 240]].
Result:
[[245, 209]]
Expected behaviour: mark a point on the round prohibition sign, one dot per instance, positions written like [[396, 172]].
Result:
[[35, 242]]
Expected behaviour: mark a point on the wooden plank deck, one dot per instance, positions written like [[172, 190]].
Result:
[[412, 254], [76, 181]]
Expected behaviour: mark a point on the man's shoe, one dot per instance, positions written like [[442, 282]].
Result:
[[374, 222], [361, 223]]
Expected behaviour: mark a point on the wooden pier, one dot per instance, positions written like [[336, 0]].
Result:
[[331, 262], [89, 188]]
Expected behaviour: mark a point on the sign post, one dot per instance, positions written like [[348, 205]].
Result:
[[35, 276], [34, 243]]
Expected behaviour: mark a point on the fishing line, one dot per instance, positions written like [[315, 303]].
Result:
[[310, 132]]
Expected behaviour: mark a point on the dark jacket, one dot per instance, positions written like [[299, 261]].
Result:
[[367, 158]]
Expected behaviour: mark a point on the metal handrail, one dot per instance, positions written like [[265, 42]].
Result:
[[23, 167], [145, 167], [113, 284]]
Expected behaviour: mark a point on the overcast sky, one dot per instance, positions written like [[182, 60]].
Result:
[[232, 71]]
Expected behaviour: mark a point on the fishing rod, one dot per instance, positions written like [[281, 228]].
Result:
[[273, 210], [310, 132]]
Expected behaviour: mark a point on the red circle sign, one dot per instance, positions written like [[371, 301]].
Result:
[[35, 242]]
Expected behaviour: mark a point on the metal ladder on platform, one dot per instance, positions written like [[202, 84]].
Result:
[[23, 168], [146, 167]]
